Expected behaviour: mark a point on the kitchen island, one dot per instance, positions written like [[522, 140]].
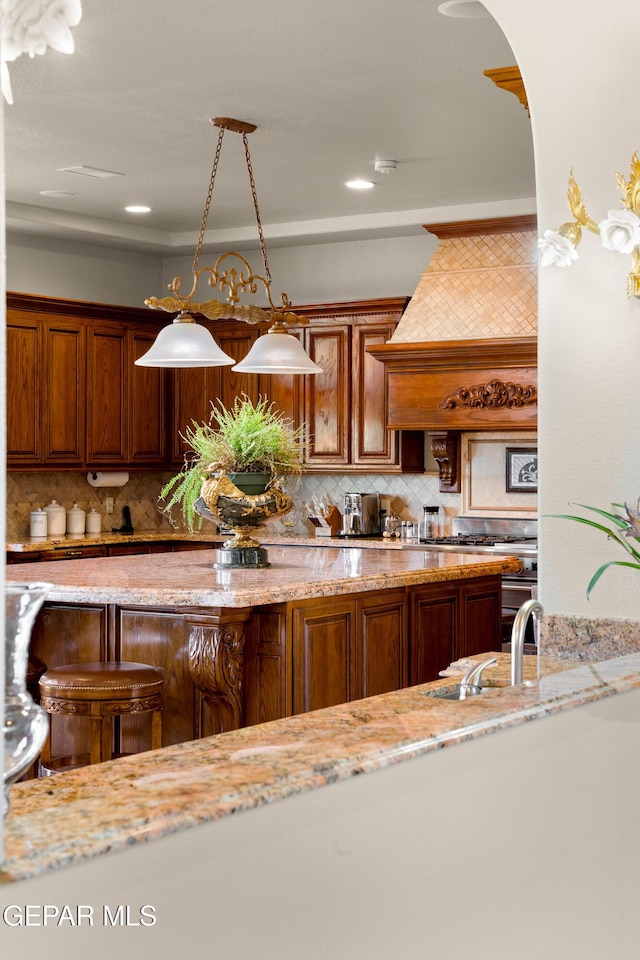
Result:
[[316, 628]]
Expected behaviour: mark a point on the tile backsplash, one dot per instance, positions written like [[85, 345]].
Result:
[[483, 491], [27, 491]]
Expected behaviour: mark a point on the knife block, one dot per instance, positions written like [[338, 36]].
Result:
[[328, 526]]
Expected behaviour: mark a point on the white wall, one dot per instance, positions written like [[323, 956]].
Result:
[[579, 63], [80, 271]]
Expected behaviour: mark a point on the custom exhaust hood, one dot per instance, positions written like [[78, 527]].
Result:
[[464, 355]]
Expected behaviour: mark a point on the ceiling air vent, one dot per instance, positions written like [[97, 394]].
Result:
[[95, 173]]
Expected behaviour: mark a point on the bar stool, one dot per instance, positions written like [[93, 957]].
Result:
[[100, 691]]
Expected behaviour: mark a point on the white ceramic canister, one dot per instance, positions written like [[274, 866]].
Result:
[[56, 519], [75, 521], [93, 522], [38, 523]]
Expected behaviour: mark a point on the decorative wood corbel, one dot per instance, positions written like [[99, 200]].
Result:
[[445, 447], [216, 654]]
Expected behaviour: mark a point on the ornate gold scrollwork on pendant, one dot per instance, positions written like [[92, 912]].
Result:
[[236, 282]]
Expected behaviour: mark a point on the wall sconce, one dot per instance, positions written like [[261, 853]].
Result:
[[619, 231], [185, 343]]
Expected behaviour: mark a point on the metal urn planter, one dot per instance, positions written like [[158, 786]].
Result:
[[225, 502]]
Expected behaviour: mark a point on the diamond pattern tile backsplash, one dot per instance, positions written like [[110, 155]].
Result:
[[27, 491]]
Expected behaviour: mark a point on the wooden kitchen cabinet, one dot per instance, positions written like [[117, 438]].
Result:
[[327, 397], [68, 633], [24, 389], [147, 434], [126, 405], [74, 553], [160, 639], [349, 649], [452, 620], [481, 617], [107, 400], [195, 389], [45, 390], [346, 406], [74, 397]]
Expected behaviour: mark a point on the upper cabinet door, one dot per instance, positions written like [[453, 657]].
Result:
[[327, 400], [64, 407], [284, 390], [236, 342], [147, 434], [372, 443], [24, 389], [107, 376]]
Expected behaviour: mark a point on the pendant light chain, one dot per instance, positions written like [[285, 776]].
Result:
[[207, 204], [263, 247]]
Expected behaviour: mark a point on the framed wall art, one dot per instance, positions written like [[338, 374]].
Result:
[[522, 469]]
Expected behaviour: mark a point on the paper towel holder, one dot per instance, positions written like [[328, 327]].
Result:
[[114, 479]]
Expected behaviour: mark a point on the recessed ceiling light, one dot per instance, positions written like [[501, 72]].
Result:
[[57, 193], [464, 9], [359, 184], [137, 208]]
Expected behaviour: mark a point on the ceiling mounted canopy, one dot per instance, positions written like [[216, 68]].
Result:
[[186, 343]]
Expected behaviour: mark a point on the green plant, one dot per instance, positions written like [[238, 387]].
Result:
[[626, 528], [247, 438]]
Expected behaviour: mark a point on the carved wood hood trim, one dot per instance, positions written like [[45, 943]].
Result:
[[496, 393], [423, 377]]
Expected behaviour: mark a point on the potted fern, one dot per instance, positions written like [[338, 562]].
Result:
[[251, 443]]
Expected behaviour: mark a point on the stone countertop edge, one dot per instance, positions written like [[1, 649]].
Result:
[[35, 544], [89, 812], [189, 579]]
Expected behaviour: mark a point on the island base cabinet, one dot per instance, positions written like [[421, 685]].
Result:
[[232, 667], [267, 666], [69, 634], [452, 620], [348, 649], [159, 639]]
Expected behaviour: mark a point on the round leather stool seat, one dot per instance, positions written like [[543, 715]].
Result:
[[101, 681], [100, 692]]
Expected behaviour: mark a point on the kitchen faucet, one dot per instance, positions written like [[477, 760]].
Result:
[[472, 682], [530, 608]]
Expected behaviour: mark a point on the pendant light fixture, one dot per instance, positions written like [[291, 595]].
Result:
[[185, 343]]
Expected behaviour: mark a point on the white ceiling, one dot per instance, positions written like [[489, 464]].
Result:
[[332, 87]]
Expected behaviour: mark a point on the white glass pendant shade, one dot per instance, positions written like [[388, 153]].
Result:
[[184, 343], [277, 352]]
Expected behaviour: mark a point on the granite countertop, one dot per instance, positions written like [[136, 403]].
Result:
[[296, 573], [85, 813], [35, 544]]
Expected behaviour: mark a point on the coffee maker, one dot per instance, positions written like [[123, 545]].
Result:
[[361, 515]]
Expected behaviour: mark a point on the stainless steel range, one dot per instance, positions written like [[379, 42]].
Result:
[[504, 537]]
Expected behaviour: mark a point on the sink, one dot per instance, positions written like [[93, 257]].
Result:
[[452, 693], [444, 693]]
